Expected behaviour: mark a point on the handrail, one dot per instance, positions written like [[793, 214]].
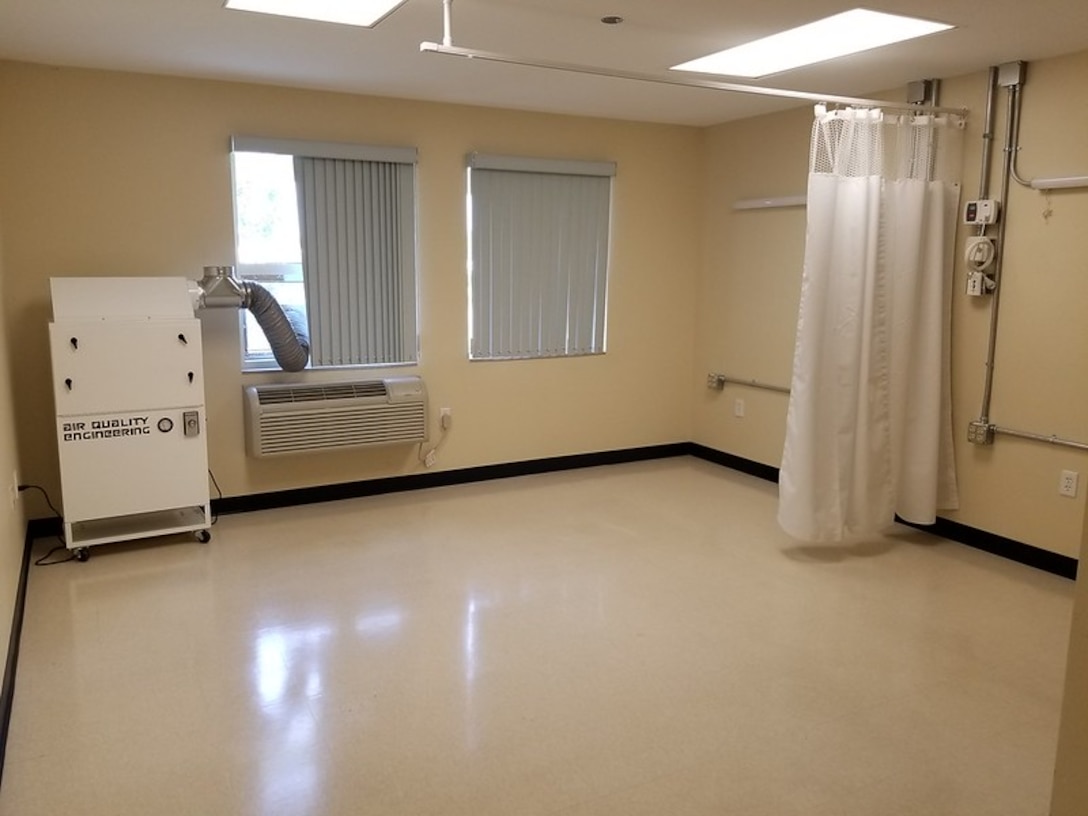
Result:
[[722, 379]]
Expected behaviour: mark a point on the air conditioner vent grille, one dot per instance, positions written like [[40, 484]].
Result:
[[331, 429], [285, 419], [279, 394]]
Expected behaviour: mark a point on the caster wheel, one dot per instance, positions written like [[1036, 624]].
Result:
[[203, 536], [82, 554]]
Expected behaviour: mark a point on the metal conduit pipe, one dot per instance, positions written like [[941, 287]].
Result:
[[1023, 182], [1012, 149], [1037, 437], [1011, 121], [988, 138], [1042, 184], [286, 329]]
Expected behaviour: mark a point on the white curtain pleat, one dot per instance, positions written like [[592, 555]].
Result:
[[869, 419], [921, 218]]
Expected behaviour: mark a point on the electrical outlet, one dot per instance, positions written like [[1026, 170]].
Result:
[[1067, 485], [738, 407], [14, 488], [445, 418]]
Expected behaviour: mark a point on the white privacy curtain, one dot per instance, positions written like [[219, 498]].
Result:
[[869, 432]]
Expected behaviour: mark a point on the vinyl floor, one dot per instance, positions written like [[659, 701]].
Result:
[[633, 639]]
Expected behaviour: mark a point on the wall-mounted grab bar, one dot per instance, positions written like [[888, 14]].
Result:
[[719, 381]]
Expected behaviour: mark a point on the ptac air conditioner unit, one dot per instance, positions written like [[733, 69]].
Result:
[[283, 419]]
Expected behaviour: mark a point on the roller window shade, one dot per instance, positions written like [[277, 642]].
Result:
[[539, 262]]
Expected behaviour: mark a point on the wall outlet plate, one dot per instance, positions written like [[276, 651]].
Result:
[[1067, 485]]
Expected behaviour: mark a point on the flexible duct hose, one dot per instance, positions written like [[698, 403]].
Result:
[[285, 328]]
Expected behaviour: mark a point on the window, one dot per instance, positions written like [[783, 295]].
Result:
[[538, 256], [330, 230]]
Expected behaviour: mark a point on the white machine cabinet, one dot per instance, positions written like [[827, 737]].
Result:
[[128, 382]]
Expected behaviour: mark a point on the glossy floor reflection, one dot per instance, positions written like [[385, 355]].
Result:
[[637, 639]]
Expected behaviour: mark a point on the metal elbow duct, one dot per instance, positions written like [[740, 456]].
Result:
[[285, 328]]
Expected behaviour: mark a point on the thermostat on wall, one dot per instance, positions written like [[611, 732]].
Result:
[[981, 212]]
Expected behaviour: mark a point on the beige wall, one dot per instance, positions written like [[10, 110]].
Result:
[[12, 520], [108, 173], [750, 283], [120, 174], [749, 288], [1070, 796]]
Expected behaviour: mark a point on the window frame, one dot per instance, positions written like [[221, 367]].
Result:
[[535, 313], [274, 272]]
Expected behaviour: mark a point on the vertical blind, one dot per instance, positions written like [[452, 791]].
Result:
[[357, 227], [539, 256]]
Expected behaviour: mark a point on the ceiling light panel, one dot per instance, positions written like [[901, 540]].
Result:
[[848, 33], [365, 13]]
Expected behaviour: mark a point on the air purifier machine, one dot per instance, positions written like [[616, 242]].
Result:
[[128, 383]]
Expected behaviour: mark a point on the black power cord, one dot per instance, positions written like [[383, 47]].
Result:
[[219, 490], [44, 560]]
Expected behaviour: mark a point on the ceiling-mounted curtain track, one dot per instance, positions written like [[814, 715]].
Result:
[[449, 49]]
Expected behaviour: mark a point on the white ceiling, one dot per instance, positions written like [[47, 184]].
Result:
[[200, 38]]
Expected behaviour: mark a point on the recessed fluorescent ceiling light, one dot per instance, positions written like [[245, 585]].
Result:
[[837, 36], [366, 13]]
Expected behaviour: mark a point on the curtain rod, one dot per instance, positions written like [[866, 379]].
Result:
[[710, 84]]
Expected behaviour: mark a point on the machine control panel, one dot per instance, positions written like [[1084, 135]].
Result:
[[190, 423]]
